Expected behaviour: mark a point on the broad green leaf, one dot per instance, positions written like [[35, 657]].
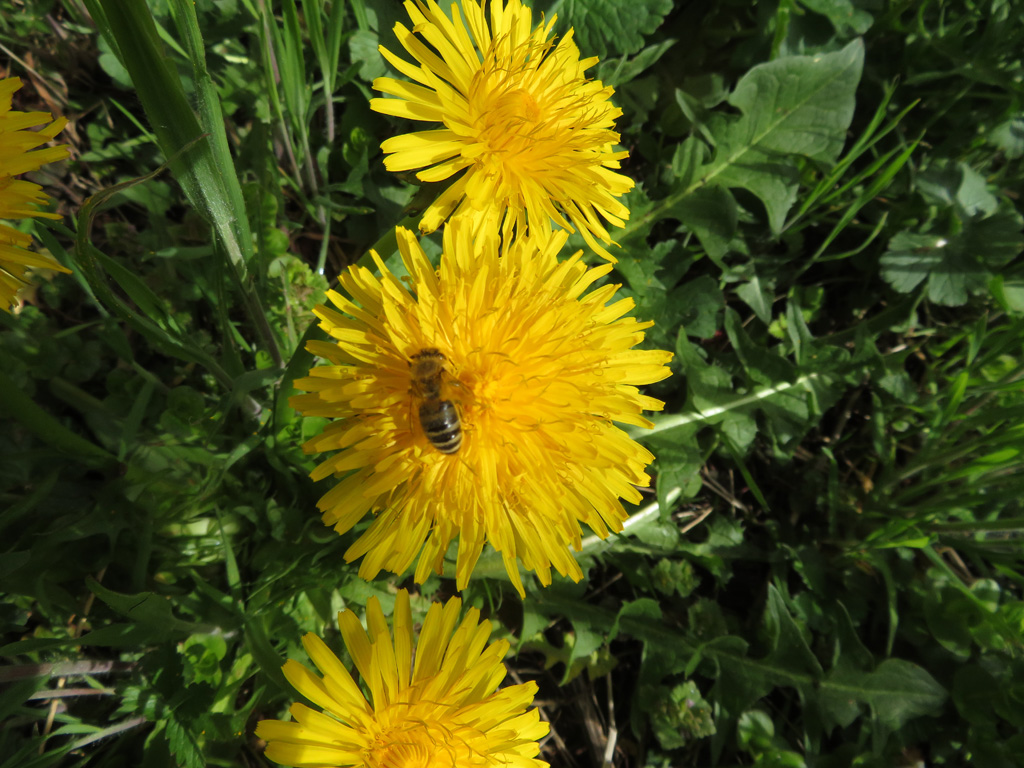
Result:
[[1009, 137], [679, 464], [788, 645], [615, 73], [703, 302], [843, 14], [910, 258], [711, 214], [688, 159], [762, 365], [798, 105], [759, 296], [644, 609], [973, 195], [607, 27], [957, 266], [896, 691], [362, 47], [145, 608]]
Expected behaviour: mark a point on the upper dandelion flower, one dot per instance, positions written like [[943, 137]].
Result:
[[533, 136], [19, 198], [437, 708], [535, 369]]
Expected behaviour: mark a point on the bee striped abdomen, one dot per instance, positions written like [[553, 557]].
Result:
[[439, 418], [440, 421]]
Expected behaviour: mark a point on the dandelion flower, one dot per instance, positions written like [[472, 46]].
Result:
[[19, 198], [533, 136], [538, 370], [437, 708]]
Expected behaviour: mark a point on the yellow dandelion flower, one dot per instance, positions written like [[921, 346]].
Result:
[[19, 198], [532, 134], [535, 369], [439, 707]]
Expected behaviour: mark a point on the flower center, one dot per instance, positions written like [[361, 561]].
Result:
[[415, 743], [521, 111], [509, 123]]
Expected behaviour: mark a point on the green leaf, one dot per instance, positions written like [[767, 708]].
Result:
[[606, 27], [789, 648], [910, 258], [679, 464], [703, 302], [797, 105], [711, 214], [183, 745], [896, 691], [762, 365], [362, 46], [758, 296], [1009, 137], [843, 15], [644, 609], [956, 267], [616, 73], [680, 715], [145, 608], [16, 404]]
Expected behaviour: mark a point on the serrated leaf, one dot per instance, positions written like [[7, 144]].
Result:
[[607, 27], [973, 194], [362, 47], [679, 464], [1009, 137], [909, 259], [845, 17], [896, 691], [711, 214], [995, 240], [951, 273], [761, 365], [788, 647], [145, 608], [645, 608], [587, 640], [617, 73], [797, 105], [703, 301], [183, 745], [689, 157], [758, 296]]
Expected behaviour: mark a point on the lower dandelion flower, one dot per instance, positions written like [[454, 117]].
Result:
[[439, 707], [19, 198], [535, 371]]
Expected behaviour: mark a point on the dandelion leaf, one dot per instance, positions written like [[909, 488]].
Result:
[[798, 105], [896, 691], [843, 15], [791, 108], [957, 266], [609, 27]]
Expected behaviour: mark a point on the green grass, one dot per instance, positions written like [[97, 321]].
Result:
[[829, 568]]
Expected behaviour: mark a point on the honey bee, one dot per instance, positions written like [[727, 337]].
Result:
[[439, 418]]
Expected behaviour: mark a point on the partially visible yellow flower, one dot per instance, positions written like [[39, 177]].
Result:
[[437, 707], [539, 371], [19, 198], [534, 137]]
